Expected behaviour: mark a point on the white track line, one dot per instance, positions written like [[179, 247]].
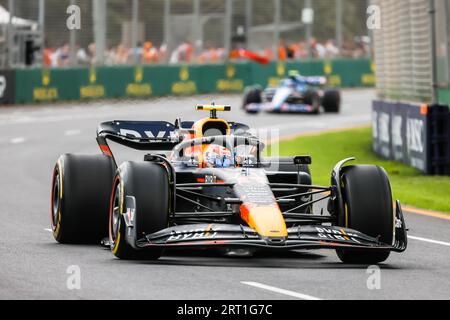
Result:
[[429, 240], [49, 230], [281, 291]]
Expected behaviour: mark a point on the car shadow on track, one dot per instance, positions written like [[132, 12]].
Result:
[[215, 258], [282, 260]]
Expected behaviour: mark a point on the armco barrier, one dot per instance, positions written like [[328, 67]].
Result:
[[60, 84], [417, 135]]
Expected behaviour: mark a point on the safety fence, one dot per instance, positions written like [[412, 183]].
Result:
[[412, 54], [45, 85], [403, 51]]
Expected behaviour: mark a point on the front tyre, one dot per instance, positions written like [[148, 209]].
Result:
[[368, 209], [252, 95], [312, 98], [81, 185], [139, 206]]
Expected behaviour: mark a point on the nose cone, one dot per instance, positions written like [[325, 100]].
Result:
[[268, 221]]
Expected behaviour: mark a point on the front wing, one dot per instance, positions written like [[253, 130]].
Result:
[[238, 236]]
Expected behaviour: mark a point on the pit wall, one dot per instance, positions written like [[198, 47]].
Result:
[[67, 84]]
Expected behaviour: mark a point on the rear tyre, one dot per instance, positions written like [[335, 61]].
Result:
[[252, 95], [368, 209], [148, 183], [331, 101], [80, 198], [312, 98]]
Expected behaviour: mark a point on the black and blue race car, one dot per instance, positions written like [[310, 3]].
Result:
[[207, 184], [295, 94]]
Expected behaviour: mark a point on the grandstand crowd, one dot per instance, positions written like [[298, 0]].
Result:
[[147, 53]]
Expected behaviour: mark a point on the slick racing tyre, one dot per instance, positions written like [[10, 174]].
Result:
[[141, 191], [81, 186], [368, 208], [252, 95], [312, 98], [331, 101]]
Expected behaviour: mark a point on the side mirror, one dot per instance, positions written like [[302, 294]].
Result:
[[302, 160]]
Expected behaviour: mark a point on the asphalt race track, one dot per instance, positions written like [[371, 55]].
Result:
[[34, 266]]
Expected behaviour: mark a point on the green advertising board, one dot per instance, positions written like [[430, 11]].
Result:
[[142, 81]]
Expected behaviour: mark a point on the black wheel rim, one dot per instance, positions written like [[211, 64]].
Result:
[[115, 218], [56, 201], [316, 103]]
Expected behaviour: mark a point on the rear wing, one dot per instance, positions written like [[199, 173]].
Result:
[[148, 135], [140, 135]]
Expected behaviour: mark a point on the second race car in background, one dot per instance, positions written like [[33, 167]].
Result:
[[295, 94]]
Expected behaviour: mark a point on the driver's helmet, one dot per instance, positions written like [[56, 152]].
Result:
[[294, 74], [216, 156]]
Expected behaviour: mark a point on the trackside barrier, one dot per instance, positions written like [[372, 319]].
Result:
[[439, 133], [7, 86], [61, 84], [417, 135]]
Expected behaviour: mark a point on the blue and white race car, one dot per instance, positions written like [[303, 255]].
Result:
[[295, 94]]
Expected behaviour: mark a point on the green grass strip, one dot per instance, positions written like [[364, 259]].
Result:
[[408, 184]]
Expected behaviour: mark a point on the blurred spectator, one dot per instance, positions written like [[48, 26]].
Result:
[[148, 53], [163, 53], [136, 53], [282, 51], [91, 52], [47, 58], [183, 53], [121, 54], [331, 49], [211, 55], [318, 50], [60, 57], [82, 57]]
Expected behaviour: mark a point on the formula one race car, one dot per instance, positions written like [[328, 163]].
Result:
[[296, 94], [205, 184]]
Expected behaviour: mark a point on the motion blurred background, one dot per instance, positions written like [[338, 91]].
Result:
[[119, 32], [60, 50]]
